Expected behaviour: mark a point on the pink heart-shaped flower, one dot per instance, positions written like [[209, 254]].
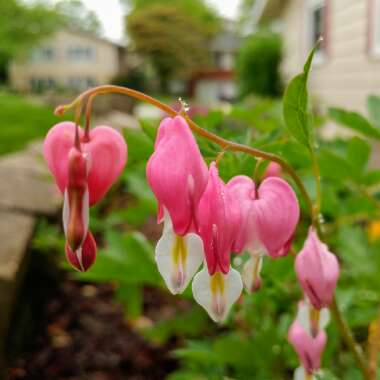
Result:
[[106, 150]]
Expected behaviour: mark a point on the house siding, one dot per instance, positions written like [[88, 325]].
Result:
[[101, 67], [349, 72]]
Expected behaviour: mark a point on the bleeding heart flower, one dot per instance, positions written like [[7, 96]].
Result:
[[312, 320], [177, 175], [106, 152], [84, 169], [317, 271], [269, 218], [219, 286], [308, 348]]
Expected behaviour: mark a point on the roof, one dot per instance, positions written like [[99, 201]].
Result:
[[95, 37], [264, 11]]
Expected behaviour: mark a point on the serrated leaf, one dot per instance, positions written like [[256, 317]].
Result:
[[354, 121], [295, 105]]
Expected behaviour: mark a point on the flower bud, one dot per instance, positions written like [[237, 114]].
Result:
[[308, 348], [317, 271]]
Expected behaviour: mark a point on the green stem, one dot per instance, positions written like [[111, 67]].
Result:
[[350, 341]]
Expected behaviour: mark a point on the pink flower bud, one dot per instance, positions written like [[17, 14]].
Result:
[[106, 153], [177, 174], [308, 348], [317, 271], [83, 257], [273, 170]]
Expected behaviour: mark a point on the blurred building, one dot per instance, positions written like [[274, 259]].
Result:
[[68, 60], [216, 82], [347, 66]]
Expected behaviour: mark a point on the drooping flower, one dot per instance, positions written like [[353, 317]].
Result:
[[269, 218], [217, 286], [317, 271], [106, 152], [309, 349], [177, 175], [84, 170]]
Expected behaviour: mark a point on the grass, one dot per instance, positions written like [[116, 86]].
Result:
[[22, 121]]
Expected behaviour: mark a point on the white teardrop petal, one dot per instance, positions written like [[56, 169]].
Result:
[[300, 374], [85, 213], [324, 318], [65, 212], [178, 259], [217, 293], [251, 273]]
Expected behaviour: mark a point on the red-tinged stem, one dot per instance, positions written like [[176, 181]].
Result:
[[225, 144], [235, 147]]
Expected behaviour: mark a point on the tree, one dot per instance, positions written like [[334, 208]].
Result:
[[173, 38], [21, 27], [77, 16]]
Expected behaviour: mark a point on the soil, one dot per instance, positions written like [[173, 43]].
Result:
[[80, 333]]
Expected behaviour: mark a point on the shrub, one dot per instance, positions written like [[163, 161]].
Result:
[[258, 65]]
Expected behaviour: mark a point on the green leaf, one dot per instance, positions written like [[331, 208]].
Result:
[[354, 121], [358, 152], [373, 105], [149, 130], [295, 105]]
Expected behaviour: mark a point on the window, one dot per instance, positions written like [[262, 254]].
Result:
[[44, 53], [80, 53], [316, 23], [376, 28], [40, 85], [81, 83]]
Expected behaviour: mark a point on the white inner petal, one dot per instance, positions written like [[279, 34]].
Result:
[[65, 212], [305, 316], [251, 273], [178, 258], [217, 293]]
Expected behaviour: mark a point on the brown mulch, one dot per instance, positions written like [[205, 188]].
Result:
[[83, 335]]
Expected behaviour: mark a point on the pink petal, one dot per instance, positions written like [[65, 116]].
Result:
[[243, 190], [82, 258], [107, 153], [219, 220], [309, 349], [277, 214], [177, 173]]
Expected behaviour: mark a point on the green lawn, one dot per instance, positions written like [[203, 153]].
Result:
[[22, 121]]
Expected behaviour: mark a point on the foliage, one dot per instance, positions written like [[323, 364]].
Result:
[[253, 339], [258, 64], [134, 78], [21, 121], [23, 26], [77, 16], [172, 36]]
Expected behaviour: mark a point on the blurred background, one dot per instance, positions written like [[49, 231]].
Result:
[[230, 60]]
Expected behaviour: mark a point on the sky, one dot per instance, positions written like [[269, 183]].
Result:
[[110, 13]]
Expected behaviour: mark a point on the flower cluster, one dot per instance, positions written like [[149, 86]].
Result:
[[206, 220], [84, 166], [317, 271]]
